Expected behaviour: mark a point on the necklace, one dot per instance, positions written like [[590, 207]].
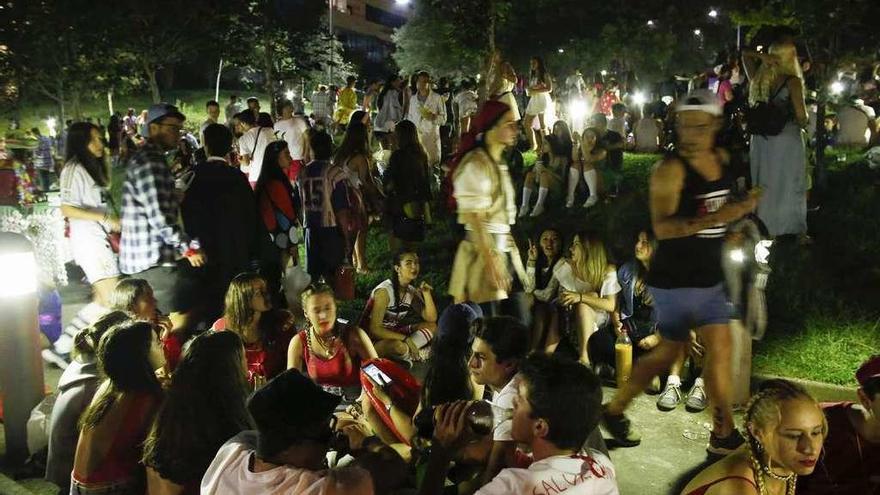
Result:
[[328, 348], [769, 472]]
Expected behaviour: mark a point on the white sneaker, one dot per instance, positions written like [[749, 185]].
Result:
[[592, 200], [523, 211], [539, 209], [53, 357]]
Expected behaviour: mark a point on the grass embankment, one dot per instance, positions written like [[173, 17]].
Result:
[[822, 299]]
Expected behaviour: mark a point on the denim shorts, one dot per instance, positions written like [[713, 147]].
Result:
[[681, 310]]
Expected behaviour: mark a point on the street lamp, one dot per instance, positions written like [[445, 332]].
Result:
[[603, 72], [21, 368], [697, 32], [713, 13], [561, 50], [650, 23]]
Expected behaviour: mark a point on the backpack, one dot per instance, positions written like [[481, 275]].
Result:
[[768, 118]]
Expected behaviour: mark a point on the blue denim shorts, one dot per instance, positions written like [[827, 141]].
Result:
[[681, 310]]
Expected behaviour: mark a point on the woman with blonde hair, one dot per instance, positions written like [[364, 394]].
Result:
[[784, 429], [588, 287], [779, 161]]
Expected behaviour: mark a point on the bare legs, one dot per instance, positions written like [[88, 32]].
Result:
[[103, 290], [585, 324], [716, 374]]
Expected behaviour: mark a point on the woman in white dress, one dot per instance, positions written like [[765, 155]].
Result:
[[84, 193], [540, 86]]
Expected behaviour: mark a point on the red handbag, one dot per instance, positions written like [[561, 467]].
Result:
[[399, 384]]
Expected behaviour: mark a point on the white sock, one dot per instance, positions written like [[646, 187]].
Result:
[[542, 196], [573, 177], [673, 380], [420, 338], [526, 197], [699, 382], [591, 177]]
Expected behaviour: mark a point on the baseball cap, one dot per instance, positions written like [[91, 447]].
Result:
[[286, 407], [701, 100], [868, 370], [160, 110]]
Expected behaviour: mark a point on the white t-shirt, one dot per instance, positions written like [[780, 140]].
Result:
[[291, 130], [618, 125], [230, 473], [80, 190], [246, 146], [592, 474], [502, 411]]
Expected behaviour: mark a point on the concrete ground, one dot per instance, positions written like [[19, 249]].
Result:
[[672, 449]]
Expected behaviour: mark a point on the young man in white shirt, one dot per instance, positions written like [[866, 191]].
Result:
[[427, 110], [287, 452], [557, 406], [500, 344], [252, 143], [212, 108], [292, 128]]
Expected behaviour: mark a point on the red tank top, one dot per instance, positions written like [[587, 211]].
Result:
[[122, 461], [703, 489], [337, 371]]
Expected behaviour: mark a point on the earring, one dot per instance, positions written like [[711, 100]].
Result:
[[760, 446]]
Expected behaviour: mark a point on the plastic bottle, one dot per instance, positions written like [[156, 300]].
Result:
[[623, 355]]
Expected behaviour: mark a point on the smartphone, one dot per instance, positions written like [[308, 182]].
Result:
[[377, 375]]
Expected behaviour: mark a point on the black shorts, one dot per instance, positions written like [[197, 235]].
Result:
[[177, 287]]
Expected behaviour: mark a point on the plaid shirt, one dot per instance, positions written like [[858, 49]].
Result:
[[321, 104], [150, 230]]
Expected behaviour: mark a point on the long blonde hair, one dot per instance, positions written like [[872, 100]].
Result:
[[592, 263], [785, 63]]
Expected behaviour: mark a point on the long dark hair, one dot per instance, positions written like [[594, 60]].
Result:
[[541, 72], [127, 292], [270, 170], [542, 262], [124, 361], [354, 143], [448, 378], [561, 146], [395, 278], [204, 407], [408, 139], [79, 135], [389, 85], [85, 343]]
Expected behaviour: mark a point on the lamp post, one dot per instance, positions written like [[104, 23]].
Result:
[[330, 65], [21, 369]]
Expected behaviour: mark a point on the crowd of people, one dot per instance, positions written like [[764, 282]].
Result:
[[212, 358]]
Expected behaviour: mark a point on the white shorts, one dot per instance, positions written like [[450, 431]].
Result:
[[538, 103], [94, 256]]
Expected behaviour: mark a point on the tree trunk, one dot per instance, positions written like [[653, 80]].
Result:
[[110, 101], [269, 73], [76, 103], [150, 72]]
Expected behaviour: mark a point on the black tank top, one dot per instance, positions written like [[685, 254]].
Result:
[[693, 261]]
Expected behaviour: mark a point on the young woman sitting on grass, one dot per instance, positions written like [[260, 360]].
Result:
[[204, 407], [588, 287], [265, 332], [328, 350], [401, 317], [114, 427]]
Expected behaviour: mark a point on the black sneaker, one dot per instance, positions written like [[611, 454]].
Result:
[[726, 445], [620, 429]]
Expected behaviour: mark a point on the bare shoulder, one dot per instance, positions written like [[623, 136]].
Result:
[[736, 473], [669, 168]]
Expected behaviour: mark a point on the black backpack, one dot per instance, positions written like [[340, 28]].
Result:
[[768, 118]]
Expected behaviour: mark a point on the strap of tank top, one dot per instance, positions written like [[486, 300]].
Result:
[[720, 480]]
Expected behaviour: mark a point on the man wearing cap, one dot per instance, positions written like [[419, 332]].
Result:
[[851, 455], [690, 209], [152, 239], [286, 454]]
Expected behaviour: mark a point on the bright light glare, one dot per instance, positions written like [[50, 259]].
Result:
[[19, 274], [577, 109], [762, 251], [837, 88], [562, 50], [52, 124], [289, 94], [713, 13], [737, 255], [697, 32], [650, 23], [603, 72], [401, 2], [639, 98]]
